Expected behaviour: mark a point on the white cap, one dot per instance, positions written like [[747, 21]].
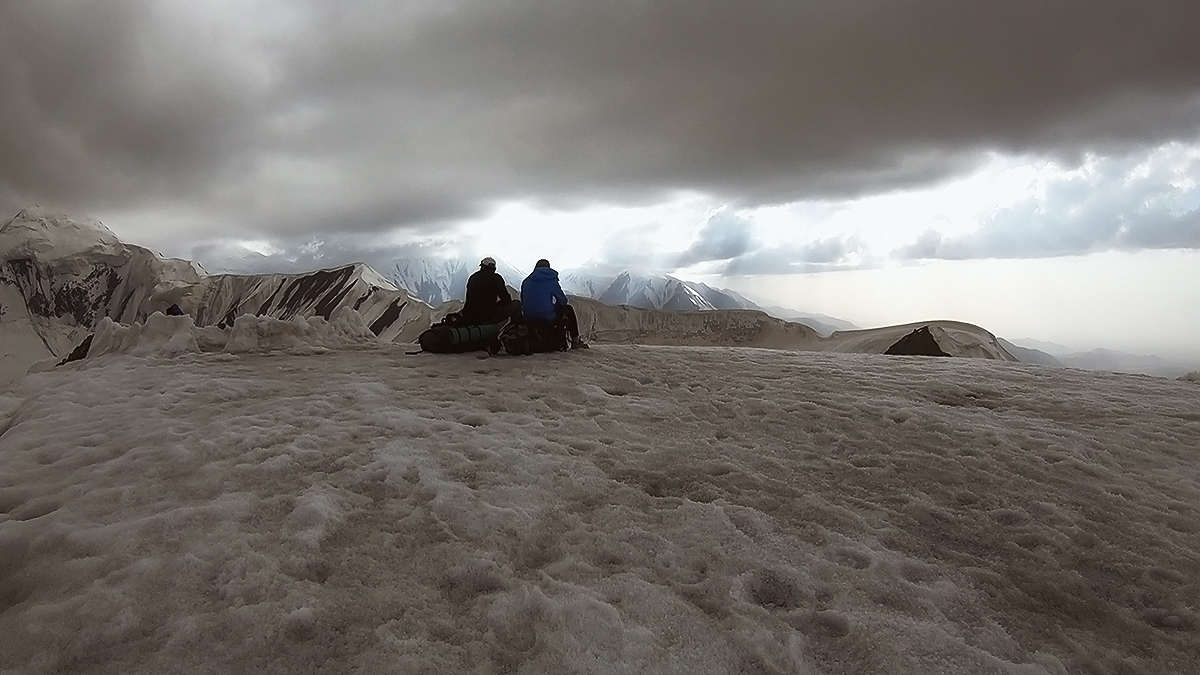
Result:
[[487, 262]]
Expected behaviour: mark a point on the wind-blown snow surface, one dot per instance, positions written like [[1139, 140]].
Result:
[[625, 509]]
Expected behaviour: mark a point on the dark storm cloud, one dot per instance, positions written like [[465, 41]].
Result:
[[774, 100], [371, 115], [101, 105], [1122, 204]]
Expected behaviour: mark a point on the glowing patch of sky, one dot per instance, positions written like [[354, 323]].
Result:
[[262, 247], [518, 230], [894, 219]]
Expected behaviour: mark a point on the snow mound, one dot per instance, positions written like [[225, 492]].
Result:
[[161, 335], [953, 338], [172, 336], [346, 328], [1193, 376]]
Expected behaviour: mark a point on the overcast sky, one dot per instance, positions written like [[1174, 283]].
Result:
[[1029, 165]]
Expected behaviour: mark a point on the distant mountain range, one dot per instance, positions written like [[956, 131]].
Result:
[[1061, 356], [61, 276], [440, 281]]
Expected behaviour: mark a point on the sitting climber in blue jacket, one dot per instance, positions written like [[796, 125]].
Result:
[[543, 302]]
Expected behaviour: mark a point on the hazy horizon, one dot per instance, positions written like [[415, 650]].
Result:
[[1144, 340], [1177, 347]]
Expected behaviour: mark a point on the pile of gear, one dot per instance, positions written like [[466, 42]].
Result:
[[541, 321]]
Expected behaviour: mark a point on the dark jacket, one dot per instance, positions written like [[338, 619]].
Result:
[[486, 295], [540, 292]]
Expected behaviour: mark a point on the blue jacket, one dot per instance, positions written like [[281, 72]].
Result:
[[539, 293]]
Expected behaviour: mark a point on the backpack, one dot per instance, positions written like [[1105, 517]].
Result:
[[521, 339], [452, 336]]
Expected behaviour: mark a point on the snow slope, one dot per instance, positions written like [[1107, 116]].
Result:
[[59, 276], [71, 272], [20, 343], [306, 502]]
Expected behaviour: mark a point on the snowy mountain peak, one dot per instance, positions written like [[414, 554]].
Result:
[[434, 281], [439, 281], [654, 292], [34, 233], [369, 276]]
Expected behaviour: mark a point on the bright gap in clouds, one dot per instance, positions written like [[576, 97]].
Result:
[[890, 220], [1012, 207], [641, 237], [652, 237]]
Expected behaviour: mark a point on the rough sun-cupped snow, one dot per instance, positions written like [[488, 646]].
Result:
[[296, 497]]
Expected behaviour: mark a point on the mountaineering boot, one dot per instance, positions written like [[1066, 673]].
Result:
[[578, 343]]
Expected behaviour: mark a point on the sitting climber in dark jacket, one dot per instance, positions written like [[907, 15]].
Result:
[[543, 302], [488, 300]]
